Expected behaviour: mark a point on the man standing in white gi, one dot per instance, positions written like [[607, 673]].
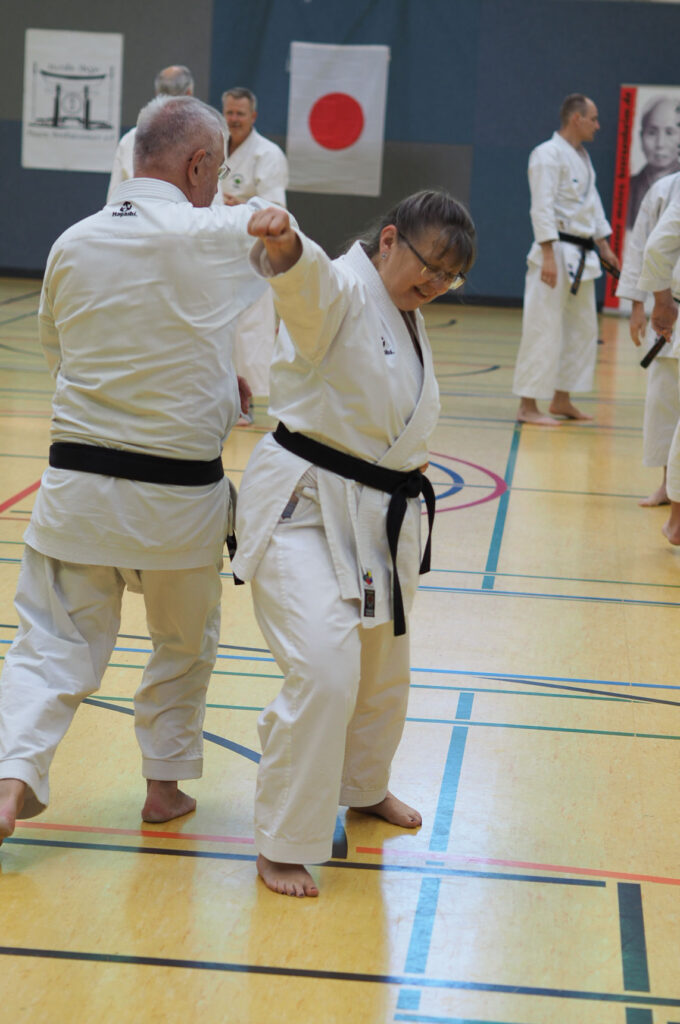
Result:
[[559, 326], [661, 256], [136, 312], [662, 401], [175, 80], [256, 167]]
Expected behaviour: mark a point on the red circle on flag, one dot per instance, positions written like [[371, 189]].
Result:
[[336, 120]]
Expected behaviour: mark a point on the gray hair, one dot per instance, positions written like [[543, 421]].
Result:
[[574, 102], [239, 92], [174, 81], [429, 208], [173, 127]]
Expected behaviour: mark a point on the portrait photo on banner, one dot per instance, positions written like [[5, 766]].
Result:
[[648, 148]]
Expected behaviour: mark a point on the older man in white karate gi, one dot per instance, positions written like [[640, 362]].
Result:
[[136, 318], [175, 80], [662, 401], [559, 326], [256, 167], [661, 256]]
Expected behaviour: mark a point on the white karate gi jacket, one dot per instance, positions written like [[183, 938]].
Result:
[[136, 320], [122, 169], [342, 374], [564, 198], [662, 251], [257, 168]]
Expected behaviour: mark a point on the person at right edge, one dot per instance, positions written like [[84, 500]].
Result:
[[329, 514], [558, 348]]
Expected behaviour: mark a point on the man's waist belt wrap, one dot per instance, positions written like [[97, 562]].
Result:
[[400, 485], [586, 245], [150, 469]]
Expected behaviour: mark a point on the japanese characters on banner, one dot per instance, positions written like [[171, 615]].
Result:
[[648, 148], [71, 114], [336, 118]]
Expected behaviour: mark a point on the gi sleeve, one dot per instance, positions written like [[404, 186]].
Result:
[[662, 251], [648, 214], [47, 330], [544, 176]]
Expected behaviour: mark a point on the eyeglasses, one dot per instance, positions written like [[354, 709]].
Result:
[[452, 280], [222, 172]]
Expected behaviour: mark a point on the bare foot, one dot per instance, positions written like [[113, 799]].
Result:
[[671, 533], [539, 419], [659, 497], [394, 811], [286, 879], [12, 792], [165, 801], [530, 413], [567, 409]]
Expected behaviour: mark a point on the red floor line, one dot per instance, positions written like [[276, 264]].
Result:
[[147, 833], [17, 497], [530, 865]]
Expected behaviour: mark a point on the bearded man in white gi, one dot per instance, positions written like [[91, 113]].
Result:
[[137, 307], [175, 80], [256, 167], [662, 401], [661, 256], [559, 327]]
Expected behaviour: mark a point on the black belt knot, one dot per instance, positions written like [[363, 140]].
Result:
[[400, 485]]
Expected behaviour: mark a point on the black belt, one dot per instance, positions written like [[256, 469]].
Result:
[[400, 485], [151, 469], [586, 245]]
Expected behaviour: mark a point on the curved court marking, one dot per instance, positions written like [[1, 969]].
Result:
[[498, 484]]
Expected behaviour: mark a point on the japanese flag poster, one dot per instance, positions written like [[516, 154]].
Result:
[[648, 148], [71, 114], [336, 118]]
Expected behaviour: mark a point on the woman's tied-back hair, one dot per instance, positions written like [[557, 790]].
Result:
[[429, 208], [170, 126]]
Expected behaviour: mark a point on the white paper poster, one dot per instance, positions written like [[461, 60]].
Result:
[[72, 84], [336, 118]]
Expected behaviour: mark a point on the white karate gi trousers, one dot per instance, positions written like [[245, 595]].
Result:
[[558, 348], [662, 411], [69, 616], [330, 735], [254, 343]]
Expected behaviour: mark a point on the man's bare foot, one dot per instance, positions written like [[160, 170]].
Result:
[[395, 811], [530, 413], [671, 530], [12, 792], [659, 497], [286, 879], [165, 801], [562, 405]]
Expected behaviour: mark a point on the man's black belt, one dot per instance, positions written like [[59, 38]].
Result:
[[400, 485], [150, 469], [586, 245]]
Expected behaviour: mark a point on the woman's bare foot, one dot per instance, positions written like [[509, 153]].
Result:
[[395, 811], [671, 530], [165, 801], [286, 879], [12, 792], [658, 497], [530, 413]]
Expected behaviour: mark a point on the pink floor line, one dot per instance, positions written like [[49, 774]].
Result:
[[422, 855], [147, 833], [17, 497]]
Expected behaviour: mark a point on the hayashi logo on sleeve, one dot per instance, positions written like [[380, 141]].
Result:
[[126, 210]]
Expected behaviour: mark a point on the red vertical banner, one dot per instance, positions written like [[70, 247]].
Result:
[[621, 184]]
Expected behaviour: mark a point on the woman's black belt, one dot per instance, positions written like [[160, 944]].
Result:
[[400, 485], [150, 469]]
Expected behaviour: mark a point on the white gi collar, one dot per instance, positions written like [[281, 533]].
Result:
[[146, 188]]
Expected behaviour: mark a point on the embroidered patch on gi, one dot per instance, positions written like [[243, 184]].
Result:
[[369, 602], [126, 210], [387, 348], [367, 577]]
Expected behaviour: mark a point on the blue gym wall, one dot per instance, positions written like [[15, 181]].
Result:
[[473, 86]]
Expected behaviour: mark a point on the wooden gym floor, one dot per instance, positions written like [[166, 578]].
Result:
[[541, 746]]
